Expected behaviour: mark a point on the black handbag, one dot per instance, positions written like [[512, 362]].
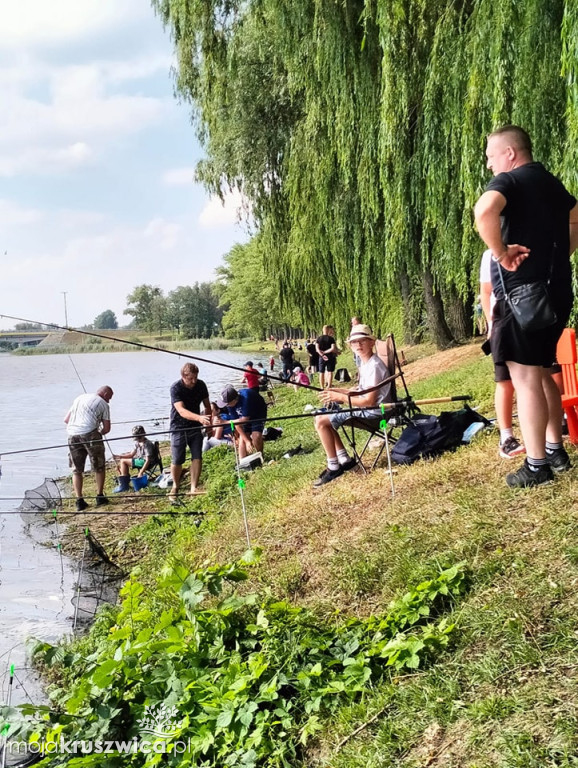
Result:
[[530, 305]]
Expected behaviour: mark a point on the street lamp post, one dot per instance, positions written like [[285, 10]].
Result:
[[65, 312]]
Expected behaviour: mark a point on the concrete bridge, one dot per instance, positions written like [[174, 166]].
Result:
[[29, 338]]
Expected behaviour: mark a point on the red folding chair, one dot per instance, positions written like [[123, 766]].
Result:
[[566, 358]]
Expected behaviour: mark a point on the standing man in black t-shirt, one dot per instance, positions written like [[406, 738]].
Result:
[[530, 223], [187, 396], [287, 357], [327, 350]]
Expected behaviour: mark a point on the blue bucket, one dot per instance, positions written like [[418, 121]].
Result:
[[139, 482]]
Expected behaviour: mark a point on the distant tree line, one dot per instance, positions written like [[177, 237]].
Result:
[[191, 311]]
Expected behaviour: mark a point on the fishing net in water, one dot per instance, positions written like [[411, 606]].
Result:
[[43, 498], [99, 582]]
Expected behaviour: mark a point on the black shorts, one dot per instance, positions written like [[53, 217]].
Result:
[[510, 343], [501, 372], [327, 365], [180, 439]]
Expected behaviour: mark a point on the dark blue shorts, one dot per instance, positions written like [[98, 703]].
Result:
[[327, 365], [193, 438]]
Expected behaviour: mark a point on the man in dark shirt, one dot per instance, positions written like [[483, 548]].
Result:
[[313, 354], [187, 396], [248, 411], [327, 350], [530, 223], [288, 360]]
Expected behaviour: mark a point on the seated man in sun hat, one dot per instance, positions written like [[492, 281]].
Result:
[[372, 371]]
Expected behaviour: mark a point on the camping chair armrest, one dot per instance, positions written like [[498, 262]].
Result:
[[357, 392]]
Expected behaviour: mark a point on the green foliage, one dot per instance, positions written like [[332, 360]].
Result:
[[106, 320], [192, 310], [250, 678], [356, 132]]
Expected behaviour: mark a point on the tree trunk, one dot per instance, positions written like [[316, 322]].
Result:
[[435, 312], [456, 312]]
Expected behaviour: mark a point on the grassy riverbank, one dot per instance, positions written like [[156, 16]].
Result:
[[501, 693]]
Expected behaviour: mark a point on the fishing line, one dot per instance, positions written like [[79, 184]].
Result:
[[85, 392], [399, 404], [241, 485], [59, 548], [6, 728], [153, 348], [80, 573]]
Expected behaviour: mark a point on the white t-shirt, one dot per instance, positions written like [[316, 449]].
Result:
[[486, 276], [370, 374], [87, 414]]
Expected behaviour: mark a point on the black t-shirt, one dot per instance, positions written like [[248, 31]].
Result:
[[313, 354], [286, 354], [536, 215], [324, 343], [191, 398]]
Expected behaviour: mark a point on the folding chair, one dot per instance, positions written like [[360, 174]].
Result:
[[157, 462], [396, 413], [566, 357]]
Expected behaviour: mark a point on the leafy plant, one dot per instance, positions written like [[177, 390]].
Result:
[[252, 679]]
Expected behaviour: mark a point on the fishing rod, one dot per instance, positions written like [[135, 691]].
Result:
[[393, 408], [154, 349]]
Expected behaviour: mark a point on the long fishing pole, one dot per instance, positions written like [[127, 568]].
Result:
[[153, 348], [399, 405]]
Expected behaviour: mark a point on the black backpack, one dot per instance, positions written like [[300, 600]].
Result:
[[342, 374], [429, 436]]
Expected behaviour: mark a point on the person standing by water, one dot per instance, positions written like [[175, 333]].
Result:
[[86, 422], [187, 396]]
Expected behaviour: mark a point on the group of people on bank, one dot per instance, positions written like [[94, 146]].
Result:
[[238, 415]]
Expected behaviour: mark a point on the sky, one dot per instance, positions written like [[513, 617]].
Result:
[[97, 160]]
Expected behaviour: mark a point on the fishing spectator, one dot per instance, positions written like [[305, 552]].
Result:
[[372, 371], [327, 351], [313, 354], [86, 422], [529, 221], [509, 446], [222, 431], [251, 376], [287, 359], [187, 396], [141, 457], [299, 377], [272, 363], [247, 411]]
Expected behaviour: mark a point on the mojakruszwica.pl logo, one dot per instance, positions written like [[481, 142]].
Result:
[[159, 728]]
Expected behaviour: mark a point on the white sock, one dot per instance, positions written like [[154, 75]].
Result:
[[342, 456], [505, 434], [332, 464]]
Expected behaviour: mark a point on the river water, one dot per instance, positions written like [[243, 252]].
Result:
[[36, 584]]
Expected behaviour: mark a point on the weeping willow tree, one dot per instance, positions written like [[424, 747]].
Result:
[[357, 129]]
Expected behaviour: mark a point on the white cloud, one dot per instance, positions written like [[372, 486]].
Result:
[[217, 213], [39, 22], [68, 128], [177, 177], [13, 215]]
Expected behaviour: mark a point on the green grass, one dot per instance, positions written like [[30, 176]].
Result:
[[504, 694]]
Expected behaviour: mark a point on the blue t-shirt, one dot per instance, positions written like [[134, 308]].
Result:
[[250, 405]]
